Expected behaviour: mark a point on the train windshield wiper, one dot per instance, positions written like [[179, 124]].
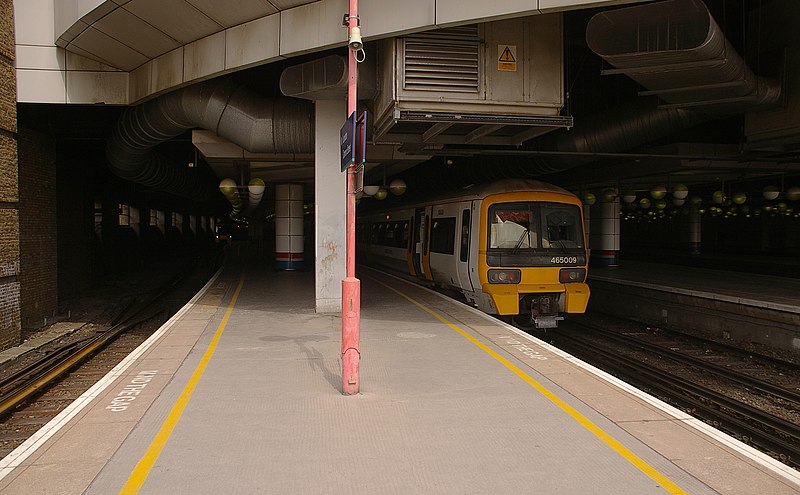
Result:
[[519, 241]]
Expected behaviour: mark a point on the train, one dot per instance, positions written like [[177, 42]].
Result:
[[512, 248]]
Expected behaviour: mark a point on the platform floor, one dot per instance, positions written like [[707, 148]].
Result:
[[240, 393]]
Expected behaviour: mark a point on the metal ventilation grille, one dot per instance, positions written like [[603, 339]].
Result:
[[444, 60]]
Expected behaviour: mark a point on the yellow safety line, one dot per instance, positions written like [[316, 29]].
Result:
[[145, 464], [629, 456]]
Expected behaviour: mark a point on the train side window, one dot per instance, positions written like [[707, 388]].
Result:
[[464, 254], [443, 233]]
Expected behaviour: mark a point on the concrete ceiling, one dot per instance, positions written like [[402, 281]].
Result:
[[704, 155], [126, 34]]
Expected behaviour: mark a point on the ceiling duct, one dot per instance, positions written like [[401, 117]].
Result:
[[327, 79], [229, 109], [678, 52], [675, 50]]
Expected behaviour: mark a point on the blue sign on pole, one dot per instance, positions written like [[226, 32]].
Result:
[[361, 139], [347, 136]]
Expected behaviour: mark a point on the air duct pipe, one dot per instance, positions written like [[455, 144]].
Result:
[[678, 52], [257, 124]]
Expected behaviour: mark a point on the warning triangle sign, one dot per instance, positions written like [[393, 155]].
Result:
[[507, 56]]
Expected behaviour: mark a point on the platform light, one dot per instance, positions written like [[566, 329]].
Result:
[[629, 196], [380, 194], [678, 201], [793, 193], [397, 187], [644, 203], [609, 195], [770, 193], [658, 192], [680, 191], [739, 197], [371, 190], [589, 199], [718, 197]]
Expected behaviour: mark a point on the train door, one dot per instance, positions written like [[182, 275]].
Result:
[[463, 239], [419, 234], [411, 247], [422, 255]]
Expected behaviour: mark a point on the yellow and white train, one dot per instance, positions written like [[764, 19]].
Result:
[[514, 248]]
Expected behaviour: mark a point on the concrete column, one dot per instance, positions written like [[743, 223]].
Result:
[[604, 232], [330, 197], [289, 238], [695, 222]]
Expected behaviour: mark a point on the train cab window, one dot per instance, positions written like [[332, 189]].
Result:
[[563, 226], [443, 235], [513, 226]]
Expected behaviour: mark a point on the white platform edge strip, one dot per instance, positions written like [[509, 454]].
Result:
[[27, 448], [759, 457]]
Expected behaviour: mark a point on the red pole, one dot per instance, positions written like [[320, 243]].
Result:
[[351, 286]]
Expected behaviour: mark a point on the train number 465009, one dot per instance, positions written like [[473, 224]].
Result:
[[557, 260]]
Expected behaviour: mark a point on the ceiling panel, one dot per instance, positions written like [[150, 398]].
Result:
[[288, 4], [178, 19], [234, 12], [109, 50], [133, 31]]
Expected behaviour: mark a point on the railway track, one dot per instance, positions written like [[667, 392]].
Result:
[[35, 393], [725, 401]]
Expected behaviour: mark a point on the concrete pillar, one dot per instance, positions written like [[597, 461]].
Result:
[[289, 238], [330, 196], [695, 223], [604, 232]]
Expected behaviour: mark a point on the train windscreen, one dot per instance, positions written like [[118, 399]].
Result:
[[530, 233]]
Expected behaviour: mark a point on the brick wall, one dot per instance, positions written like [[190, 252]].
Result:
[[76, 249], [37, 227], [9, 217]]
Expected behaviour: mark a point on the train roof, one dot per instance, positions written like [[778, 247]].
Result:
[[471, 192]]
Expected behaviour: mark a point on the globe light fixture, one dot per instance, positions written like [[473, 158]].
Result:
[[770, 193], [397, 187], [680, 191], [658, 192]]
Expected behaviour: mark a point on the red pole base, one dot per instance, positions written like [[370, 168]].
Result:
[[351, 334]]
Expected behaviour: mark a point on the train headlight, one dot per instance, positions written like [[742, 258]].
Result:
[[567, 275], [504, 276]]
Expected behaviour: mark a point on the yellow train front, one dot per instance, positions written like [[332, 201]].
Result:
[[514, 248]]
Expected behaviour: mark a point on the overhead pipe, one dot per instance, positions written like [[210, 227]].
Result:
[[676, 51], [255, 123]]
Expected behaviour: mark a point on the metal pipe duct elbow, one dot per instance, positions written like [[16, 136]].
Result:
[[678, 52], [225, 107]]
